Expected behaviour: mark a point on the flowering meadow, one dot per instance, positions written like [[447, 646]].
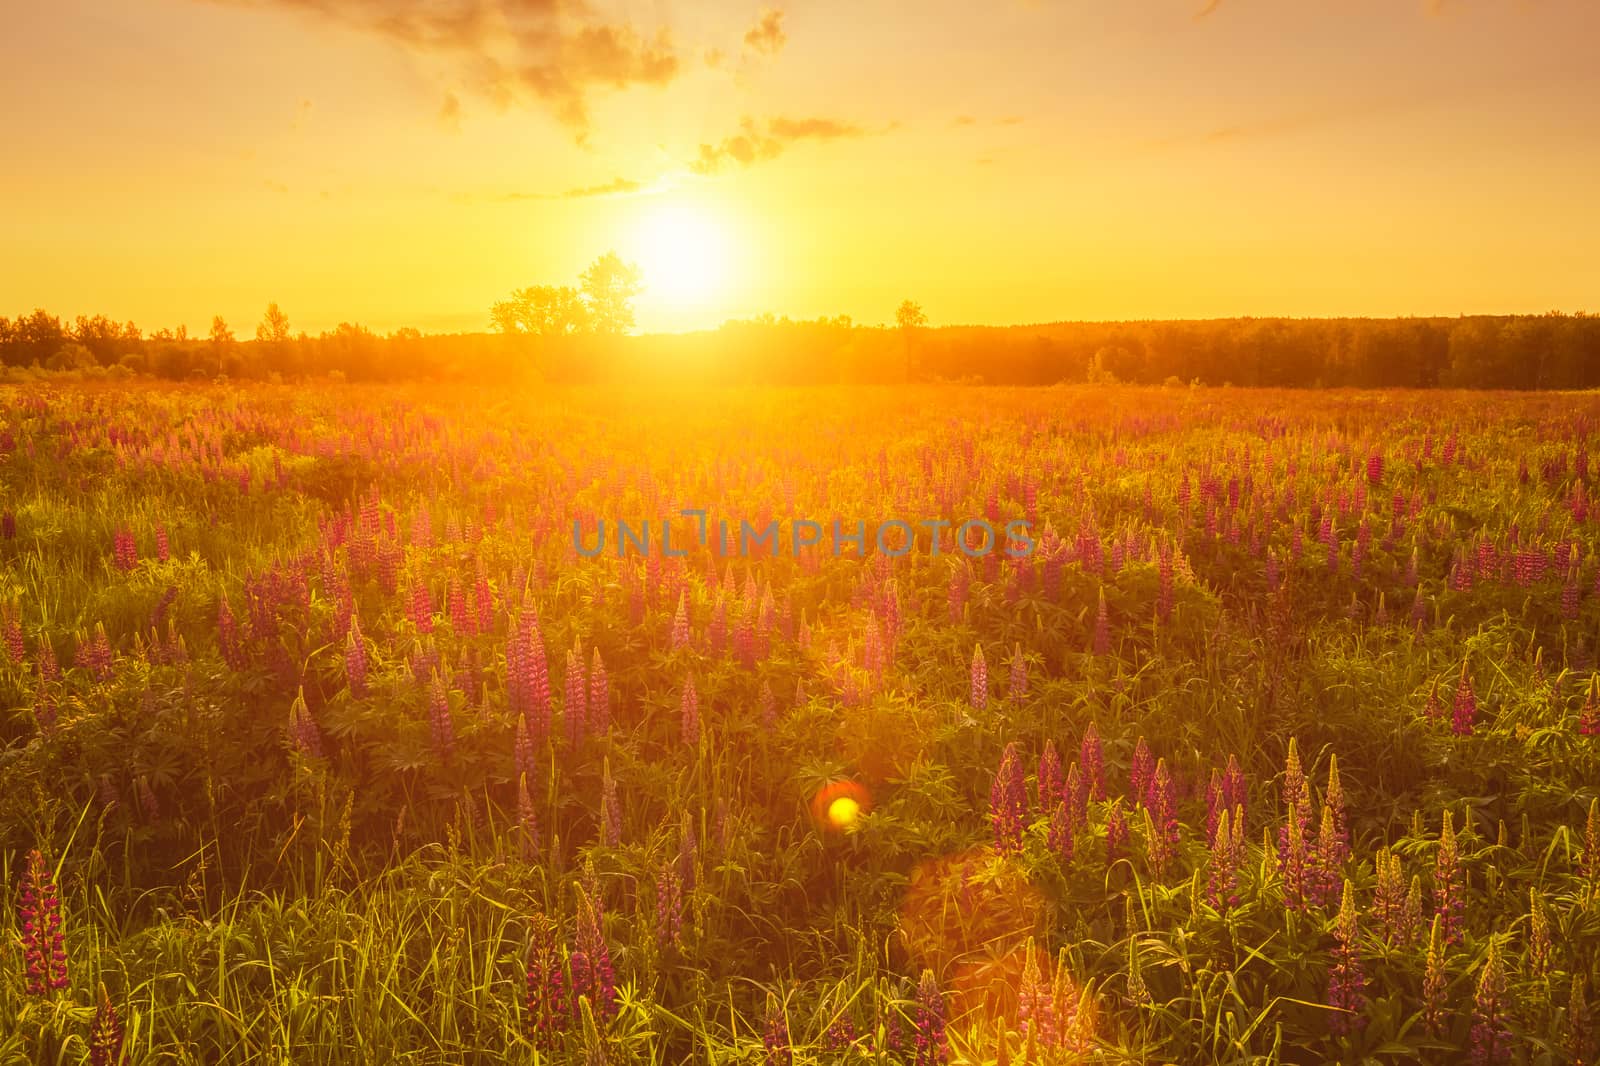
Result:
[[322, 742]]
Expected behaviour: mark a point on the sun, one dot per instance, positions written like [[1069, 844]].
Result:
[[683, 251]]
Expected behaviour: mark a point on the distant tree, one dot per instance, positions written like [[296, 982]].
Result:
[[274, 327], [609, 286], [909, 318], [541, 310], [222, 343]]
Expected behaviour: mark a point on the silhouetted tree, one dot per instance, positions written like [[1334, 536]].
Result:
[[609, 286]]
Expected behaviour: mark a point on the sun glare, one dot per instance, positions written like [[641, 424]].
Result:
[[684, 254]]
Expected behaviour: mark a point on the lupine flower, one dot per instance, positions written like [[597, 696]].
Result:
[[840, 1035], [1008, 802], [592, 974], [1049, 783], [527, 819], [303, 731], [1215, 804], [669, 905], [440, 726], [1346, 981], [1449, 883], [1163, 820], [575, 707], [767, 707], [105, 1034], [1434, 981], [599, 696], [1466, 705], [1579, 1037], [1140, 772], [1294, 867], [1539, 945], [1491, 1038], [123, 550], [549, 1003], [44, 948], [11, 624], [1116, 832], [1432, 707], [931, 1047], [1091, 757], [775, 1036], [1588, 718], [1061, 836], [1222, 868], [420, 607], [979, 697], [1076, 794], [1019, 675], [689, 714], [1389, 896]]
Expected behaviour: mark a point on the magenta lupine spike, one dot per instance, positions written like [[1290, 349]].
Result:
[[592, 973], [1163, 820], [575, 706], [1491, 1040], [1076, 794], [1216, 803], [931, 1046], [303, 731], [669, 905], [440, 726], [1101, 643], [1588, 716], [680, 623], [599, 696], [1294, 867], [527, 819], [689, 714], [1337, 850], [1062, 839], [1140, 772], [1048, 783], [16, 650], [979, 695], [123, 550], [1296, 797], [461, 622], [957, 597], [1116, 832], [767, 707], [163, 548], [1375, 469], [1589, 864], [355, 659], [1466, 705], [1222, 866], [549, 1001], [1019, 676], [1389, 896], [105, 1034], [1092, 759], [1347, 982], [1449, 883], [483, 601], [775, 1036], [44, 948], [718, 629], [1008, 802], [228, 639]]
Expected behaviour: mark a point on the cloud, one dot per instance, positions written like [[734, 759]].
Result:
[[767, 34], [614, 187], [1210, 6], [752, 145], [450, 113], [551, 53]]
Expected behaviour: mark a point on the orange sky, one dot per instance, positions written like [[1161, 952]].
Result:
[[407, 162]]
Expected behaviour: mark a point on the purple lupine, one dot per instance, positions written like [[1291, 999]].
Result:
[[1048, 784], [1163, 840], [44, 948], [1389, 897], [1466, 705], [775, 1036], [1589, 864], [1019, 676], [1491, 1040], [1116, 832], [1222, 866], [1449, 883], [599, 696], [1140, 771], [163, 547], [420, 607], [1008, 802], [931, 1049], [1294, 867], [1347, 982], [1336, 849], [303, 731], [767, 707], [1578, 1041], [549, 999], [105, 1034], [689, 714], [11, 624], [680, 623], [669, 905], [592, 973], [1540, 946], [1092, 758], [1061, 836], [979, 695], [440, 726], [575, 705], [1216, 803], [1100, 644], [1588, 717]]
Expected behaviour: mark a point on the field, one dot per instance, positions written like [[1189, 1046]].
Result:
[[1271, 736]]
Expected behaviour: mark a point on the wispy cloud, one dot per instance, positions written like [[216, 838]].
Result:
[[615, 187], [753, 144], [553, 53], [767, 34]]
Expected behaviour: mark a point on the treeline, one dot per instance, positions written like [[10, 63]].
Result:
[[1553, 351]]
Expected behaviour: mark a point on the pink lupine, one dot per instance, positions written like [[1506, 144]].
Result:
[[592, 973], [1347, 981], [461, 621], [1222, 866], [680, 623], [105, 1034], [440, 726], [1491, 1040], [775, 1036], [1092, 758], [767, 707], [1019, 676], [549, 1002], [1449, 883], [931, 1047], [44, 948], [669, 905], [1062, 841], [1140, 772], [1101, 641], [1235, 791], [575, 706], [355, 659], [1375, 469], [11, 635], [689, 714], [123, 549], [1008, 802], [1048, 783], [1163, 820], [979, 697], [599, 696], [1466, 705], [163, 548], [303, 731]]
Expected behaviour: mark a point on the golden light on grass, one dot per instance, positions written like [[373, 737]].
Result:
[[685, 252]]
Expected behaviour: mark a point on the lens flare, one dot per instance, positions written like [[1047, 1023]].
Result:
[[843, 812], [839, 805]]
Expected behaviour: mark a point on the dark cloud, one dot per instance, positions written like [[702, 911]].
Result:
[[551, 52], [752, 144], [767, 34]]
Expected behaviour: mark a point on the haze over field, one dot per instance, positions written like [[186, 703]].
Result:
[[402, 164]]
